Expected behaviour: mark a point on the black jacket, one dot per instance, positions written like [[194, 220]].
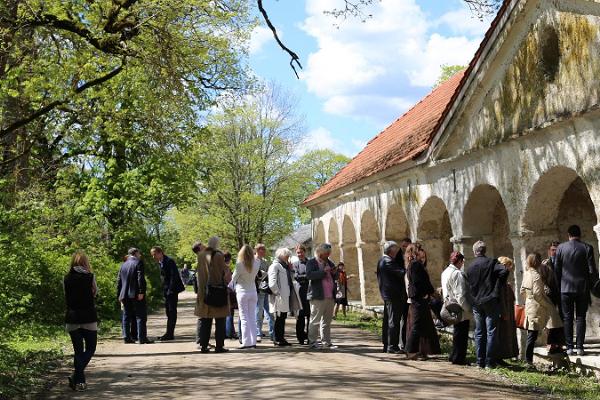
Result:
[[315, 277], [131, 280], [170, 277], [79, 298], [575, 267], [485, 275], [390, 276], [419, 284]]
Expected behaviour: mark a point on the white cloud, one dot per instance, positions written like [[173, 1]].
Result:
[[259, 37], [378, 68], [322, 138]]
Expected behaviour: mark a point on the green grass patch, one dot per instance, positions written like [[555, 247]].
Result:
[[360, 321]]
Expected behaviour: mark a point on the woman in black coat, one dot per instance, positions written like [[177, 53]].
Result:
[[422, 338], [81, 318]]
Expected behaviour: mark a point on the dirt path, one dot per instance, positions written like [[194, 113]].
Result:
[[357, 370]]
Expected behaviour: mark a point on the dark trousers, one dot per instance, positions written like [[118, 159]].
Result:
[[84, 346], [460, 342], [486, 337], [171, 311], [303, 317], [531, 338], [132, 327], [135, 310], [279, 330], [399, 320], [575, 305], [205, 329]]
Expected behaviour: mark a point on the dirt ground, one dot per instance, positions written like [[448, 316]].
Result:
[[356, 370]]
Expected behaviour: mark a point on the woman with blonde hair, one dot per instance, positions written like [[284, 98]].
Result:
[[540, 311], [243, 279], [507, 327], [81, 317]]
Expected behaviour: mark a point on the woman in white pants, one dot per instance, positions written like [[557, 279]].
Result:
[[246, 269]]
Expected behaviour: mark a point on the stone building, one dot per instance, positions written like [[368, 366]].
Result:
[[507, 151]]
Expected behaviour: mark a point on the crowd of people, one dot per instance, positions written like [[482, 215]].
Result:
[[555, 291]]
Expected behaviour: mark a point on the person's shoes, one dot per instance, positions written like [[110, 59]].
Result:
[[203, 350], [315, 346], [146, 341], [412, 356], [72, 383], [570, 352], [165, 338], [286, 343], [394, 350], [580, 352], [80, 387], [461, 363], [330, 346], [502, 363], [491, 366], [128, 341], [221, 350], [423, 357]]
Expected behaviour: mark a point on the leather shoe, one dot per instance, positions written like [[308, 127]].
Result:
[[394, 350], [165, 338], [203, 350], [221, 350], [128, 341], [146, 341]]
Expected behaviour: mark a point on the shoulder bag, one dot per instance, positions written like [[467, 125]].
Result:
[[451, 312]]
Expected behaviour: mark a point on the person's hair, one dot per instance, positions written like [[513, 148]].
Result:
[[323, 248], [79, 259], [574, 231], [388, 246], [534, 260], [301, 247], [410, 254], [227, 256], [554, 243], [157, 249], [259, 246], [506, 261], [132, 251], [456, 257], [406, 240], [283, 252], [214, 242], [342, 264], [246, 257], [196, 247], [479, 248]]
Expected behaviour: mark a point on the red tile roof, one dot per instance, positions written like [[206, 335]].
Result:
[[404, 140], [411, 134]]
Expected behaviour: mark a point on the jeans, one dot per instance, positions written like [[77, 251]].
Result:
[[171, 311], [486, 338], [247, 310], [531, 338], [321, 314], [230, 326], [575, 305], [84, 346], [262, 307], [206, 327], [135, 310]]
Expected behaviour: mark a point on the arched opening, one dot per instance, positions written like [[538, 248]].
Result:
[[434, 232], [396, 226], [319, 234], [371, 252], [334, 239], [559, 199], [485, 218], [350, 258]]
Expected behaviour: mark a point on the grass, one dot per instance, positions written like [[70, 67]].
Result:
[[561, 385]]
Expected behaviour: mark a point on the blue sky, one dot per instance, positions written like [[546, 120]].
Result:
[[359, 77]]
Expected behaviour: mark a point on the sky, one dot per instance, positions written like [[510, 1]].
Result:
[[359, 77]]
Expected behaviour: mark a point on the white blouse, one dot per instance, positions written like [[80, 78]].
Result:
[[244, 279]]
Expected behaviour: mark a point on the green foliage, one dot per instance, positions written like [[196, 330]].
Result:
[[447, 72]]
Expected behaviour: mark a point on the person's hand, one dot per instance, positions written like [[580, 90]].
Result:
[[327, 268], [140, 296]]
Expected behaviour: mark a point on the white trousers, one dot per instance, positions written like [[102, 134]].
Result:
[[321, 314], [247, 309]]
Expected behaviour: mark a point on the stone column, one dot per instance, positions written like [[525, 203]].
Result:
[[518, 241], [597, 230], [341, 247], [361, 273]]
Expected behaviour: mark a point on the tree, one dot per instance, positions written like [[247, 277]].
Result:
[[447, 72]]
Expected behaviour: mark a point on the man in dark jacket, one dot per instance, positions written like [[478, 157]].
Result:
[[575, 271], [131, 291], [390, 276], [172, 286], [320, 272], [484, 276]]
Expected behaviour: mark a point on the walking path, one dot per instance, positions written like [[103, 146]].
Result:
[[357, 370]]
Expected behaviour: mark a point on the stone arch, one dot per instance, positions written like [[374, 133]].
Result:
[[396, 226], [434, 232], [485, 218], [319, 234], [333, 237], [558, 199], [371, 252], [349, 256]]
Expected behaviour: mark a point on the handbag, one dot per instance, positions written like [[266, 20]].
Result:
[[215, 295], [264, 287], [520, 316], [451, 312]]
